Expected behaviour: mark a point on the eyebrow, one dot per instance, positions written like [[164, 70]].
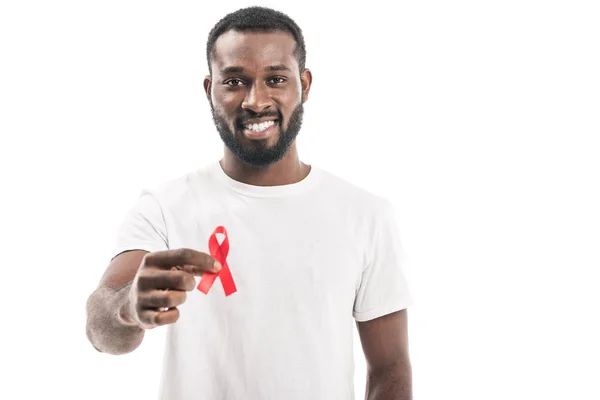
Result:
[[239, 70]]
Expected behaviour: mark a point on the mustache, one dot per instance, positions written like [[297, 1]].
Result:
[[244, 118]]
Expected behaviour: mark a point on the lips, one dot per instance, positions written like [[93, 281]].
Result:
[[259, 125], [263, 132], [257, 122]]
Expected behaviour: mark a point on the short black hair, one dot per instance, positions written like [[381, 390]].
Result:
[[257, 19]]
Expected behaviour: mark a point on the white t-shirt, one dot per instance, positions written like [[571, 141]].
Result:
[[307, 259]]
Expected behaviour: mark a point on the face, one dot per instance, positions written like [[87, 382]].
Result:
[[256, 93]]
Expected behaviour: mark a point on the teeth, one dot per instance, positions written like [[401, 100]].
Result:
[[260, 127]]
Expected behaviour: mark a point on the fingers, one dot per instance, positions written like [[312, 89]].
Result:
[[189, 260], [159, 307], [161, 298], [153, 318], [162, 280]]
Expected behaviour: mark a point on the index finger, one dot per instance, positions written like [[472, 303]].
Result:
[[191, 261]]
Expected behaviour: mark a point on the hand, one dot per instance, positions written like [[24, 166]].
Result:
[[161, 282]]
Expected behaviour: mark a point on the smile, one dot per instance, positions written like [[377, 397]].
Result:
[[260, 131], [260, 127]]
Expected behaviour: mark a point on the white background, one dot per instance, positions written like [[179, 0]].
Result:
[[478, 120]]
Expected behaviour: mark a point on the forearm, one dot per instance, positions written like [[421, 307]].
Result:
[[109, 327], [391, 384]]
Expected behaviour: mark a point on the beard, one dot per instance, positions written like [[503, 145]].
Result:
[[258, 154]]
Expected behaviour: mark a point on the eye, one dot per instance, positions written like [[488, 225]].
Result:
[[230, 81], [279, 79]]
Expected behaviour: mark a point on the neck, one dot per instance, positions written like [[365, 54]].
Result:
[[286, 171]]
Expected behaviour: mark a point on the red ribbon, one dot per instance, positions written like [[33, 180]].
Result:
[[219, 252]]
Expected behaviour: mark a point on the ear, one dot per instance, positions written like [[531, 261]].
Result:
[[306, 80], [208, 87]]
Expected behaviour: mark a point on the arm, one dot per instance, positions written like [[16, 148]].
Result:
[[109, 327], [385, 344]]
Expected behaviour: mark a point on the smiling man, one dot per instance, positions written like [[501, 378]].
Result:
[[259, 85], [305, 256], [259, 93]]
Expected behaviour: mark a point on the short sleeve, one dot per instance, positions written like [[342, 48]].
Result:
[[143, 228], [384, 286]]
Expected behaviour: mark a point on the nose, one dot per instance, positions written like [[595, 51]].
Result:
[[257, 99]]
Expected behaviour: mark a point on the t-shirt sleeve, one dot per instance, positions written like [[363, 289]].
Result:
[[384, 286], [143, 227]]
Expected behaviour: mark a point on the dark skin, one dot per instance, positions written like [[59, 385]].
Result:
[[255, 91], [134, 282], [138, 291], [385, 344]]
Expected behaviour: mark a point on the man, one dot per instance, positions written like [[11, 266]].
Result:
[[285, 254]]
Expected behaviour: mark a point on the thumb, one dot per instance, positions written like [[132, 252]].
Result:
[[200, 270]]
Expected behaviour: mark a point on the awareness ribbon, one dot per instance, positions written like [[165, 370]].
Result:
[[219, 252]]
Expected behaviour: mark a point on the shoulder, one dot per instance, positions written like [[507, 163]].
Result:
[[351, 194]]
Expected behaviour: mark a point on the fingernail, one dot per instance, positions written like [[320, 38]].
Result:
[[217, 266]]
